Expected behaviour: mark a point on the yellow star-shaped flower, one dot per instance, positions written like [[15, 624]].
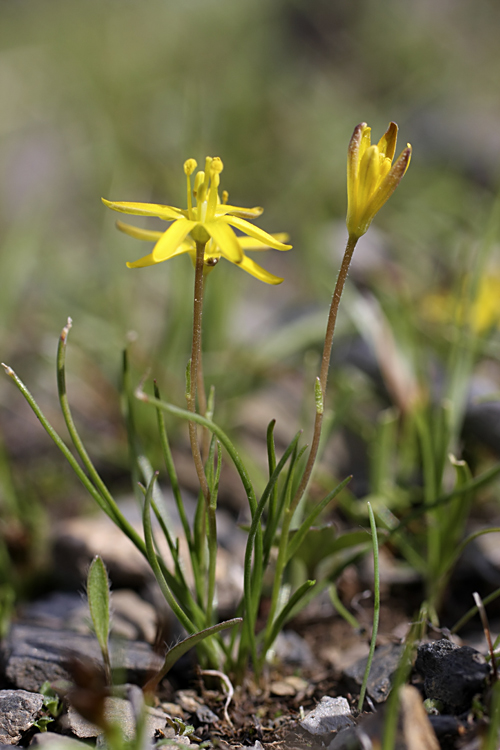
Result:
[[371, 176], [211, 223]]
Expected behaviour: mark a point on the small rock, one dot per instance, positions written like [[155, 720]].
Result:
[[384, 665], [330, 715], [33, 655], [187, 700], [452, 674], [446, 727], [291, 685], [347, 739], [19, 709], [78, 540], [132, 617], [117, 710], [205, 715], [60, 610], [290, 648], [190, 702], [173, 710], [53, 741]]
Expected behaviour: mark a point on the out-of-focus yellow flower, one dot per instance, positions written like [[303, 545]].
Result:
[[210, 222], [482, 315], [371, 176]]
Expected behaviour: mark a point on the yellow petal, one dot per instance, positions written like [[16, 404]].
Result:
[[168, 213], [244, 213], [147, 260], [358, 144], [387, 144], [171, 241], [248, 265], [369, 173], [248, 243], [390, 182], [255, 232], [225, 238], [138, 234]]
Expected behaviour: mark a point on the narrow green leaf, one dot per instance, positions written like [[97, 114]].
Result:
[[175, 653], [98, 595]]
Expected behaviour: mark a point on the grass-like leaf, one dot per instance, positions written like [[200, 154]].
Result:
[[98, 595]]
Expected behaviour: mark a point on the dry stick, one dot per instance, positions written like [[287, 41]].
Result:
[[195, 368], [487, 632], [325, 365]]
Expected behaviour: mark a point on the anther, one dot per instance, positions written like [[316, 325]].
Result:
[[217, 165], [189, 166]]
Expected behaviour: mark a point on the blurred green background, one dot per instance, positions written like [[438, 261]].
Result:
[[108, 98]]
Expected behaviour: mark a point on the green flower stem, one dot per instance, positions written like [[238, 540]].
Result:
[[200, 384], [325, 365], [196, 369]]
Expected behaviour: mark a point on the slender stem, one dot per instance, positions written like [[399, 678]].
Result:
[[195, 368], [202, 396], [200, 385], [325, 364], [376, 607]]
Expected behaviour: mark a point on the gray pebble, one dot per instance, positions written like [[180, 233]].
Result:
[[384, 665], [19, 709], [53, 741], [33, 655], [330, 715]]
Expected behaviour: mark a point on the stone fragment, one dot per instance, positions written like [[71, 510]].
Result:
[[205, 715], [78, 540], [290, 648], [60, 610], [384, 665], [452, 674], [291, 685], [53, 741], [132, 617], [33, 655], [330, 715], [348, 739], [19, 709], [117, 710]]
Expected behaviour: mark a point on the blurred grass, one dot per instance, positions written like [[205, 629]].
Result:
[[109, 98]]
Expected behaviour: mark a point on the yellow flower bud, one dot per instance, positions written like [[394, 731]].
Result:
[[371, 176]]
